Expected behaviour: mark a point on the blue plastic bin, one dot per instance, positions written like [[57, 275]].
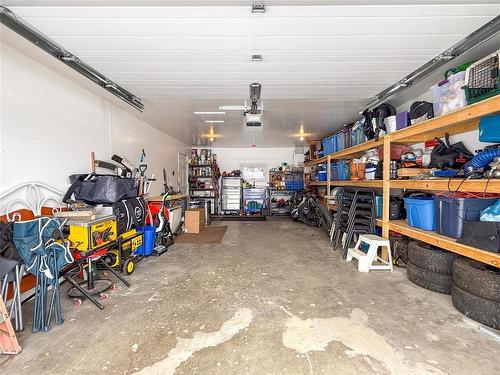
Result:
[[322, 175], [421, 212], [148, 241], [378, 206], [452, 212], [343, 170], [339, 137]]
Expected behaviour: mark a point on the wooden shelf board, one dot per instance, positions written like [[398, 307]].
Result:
[[356, 150], [445, 242], [362, 183], [316, 161], [459, 121], [200, 165], [476, 186]]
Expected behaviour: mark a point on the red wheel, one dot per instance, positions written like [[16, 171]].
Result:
[[104, 296], [77, 301]]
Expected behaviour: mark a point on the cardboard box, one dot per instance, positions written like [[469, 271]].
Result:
[[195, 220]]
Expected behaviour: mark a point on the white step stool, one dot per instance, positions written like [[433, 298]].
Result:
[[365, 260]]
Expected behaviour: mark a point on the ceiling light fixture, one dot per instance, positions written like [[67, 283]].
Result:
[[214, 121], [24, 29], [258, 8], [209, 113], [301, 132]]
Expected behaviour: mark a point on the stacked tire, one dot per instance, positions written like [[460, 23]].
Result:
[[476, 291], [430, 267]]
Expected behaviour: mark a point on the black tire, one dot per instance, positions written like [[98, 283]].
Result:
[[477, 278], [479, 309], [430, 258], [327, 219], [304, 217], [435, 281]]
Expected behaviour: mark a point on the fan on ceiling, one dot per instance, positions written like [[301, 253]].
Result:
[[251, 113]]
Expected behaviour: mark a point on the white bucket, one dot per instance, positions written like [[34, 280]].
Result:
[[390, 124]]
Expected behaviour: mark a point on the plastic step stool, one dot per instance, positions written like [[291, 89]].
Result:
[[366, 259]]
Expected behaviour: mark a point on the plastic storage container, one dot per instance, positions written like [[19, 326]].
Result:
[[339, 141], [358, 170], [148, 243], [334, 176], [357, 135], [421, 212], [343, 170], [347, 136], [378, 206], [448, 95], [452, 212], [328, 145], [322, 175]]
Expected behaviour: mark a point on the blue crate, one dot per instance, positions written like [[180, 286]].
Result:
[[343, 170], [328, 145], [357, 135], [339, 137]]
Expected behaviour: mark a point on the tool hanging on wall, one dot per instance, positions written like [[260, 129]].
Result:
[[126, 163], [118, 170]]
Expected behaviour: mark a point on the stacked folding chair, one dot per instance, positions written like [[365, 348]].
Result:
[[11, 273], [355, 216]]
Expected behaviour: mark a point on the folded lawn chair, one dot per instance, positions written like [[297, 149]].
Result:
[[44, 257]]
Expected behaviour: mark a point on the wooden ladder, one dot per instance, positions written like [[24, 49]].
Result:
[[8, 339]]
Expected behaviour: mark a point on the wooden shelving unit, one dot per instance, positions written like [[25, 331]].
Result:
[[444, 242], [454, 184], [360, 183], [456, 122]]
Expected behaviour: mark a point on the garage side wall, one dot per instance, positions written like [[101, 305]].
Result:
[[50, 124]]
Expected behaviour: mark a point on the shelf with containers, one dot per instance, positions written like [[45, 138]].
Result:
[[287, 180], [203, 178], [459, 121], [456, 122]]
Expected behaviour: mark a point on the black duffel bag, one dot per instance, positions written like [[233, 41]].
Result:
[[94, 189], [130, 213], [484, 235], [445, 155]]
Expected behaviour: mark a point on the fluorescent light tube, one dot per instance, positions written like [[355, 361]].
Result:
[[209, 113]]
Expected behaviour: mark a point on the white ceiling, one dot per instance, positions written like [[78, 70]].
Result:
[[320, 64]]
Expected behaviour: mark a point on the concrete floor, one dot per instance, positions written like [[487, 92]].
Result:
[[273, 298]]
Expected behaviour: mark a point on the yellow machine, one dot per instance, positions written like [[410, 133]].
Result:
[[91, 234], [122, 254], [128, 248]]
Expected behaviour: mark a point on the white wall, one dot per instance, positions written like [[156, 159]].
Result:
[[50, 124], [230, 159]]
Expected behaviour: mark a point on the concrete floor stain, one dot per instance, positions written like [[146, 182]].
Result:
[[186, 347], [306, 335]]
